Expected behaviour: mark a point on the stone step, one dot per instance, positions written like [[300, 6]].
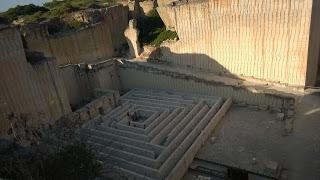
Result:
[[160, 93], [156, 129], [121, 173], [117, 109], [156, 122], [165, 98], [122, 146], [148, 106], [137, 143], [126, 127], [123, 133], [177, 141], [184, 122], [182, 165], [172, 124], [125, 155], [189, 138], [149, 121], [131, 166], [176, 94], [154, 104], [161, 100], [150, 92], [123, 113], [144, 124]]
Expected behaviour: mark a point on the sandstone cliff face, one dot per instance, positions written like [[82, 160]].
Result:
[[165, 2], [99, 42], [272, 40], [33, 94]]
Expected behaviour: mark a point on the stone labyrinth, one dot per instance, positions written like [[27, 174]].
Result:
[[162, 141]]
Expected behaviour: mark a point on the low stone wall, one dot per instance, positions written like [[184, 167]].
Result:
[[135, 75], [99, 106]]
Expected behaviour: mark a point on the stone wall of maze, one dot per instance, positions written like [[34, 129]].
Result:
[[161, 146]]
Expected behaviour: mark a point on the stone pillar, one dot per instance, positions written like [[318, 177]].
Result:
[[132, 34]]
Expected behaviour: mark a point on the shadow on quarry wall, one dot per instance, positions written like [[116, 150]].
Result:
[[203, 61], [195, 80]]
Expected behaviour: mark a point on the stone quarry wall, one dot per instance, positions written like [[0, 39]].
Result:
[[164, 2], [133, 75], [313, 65], [272, 40], [81, 81], [75, 82], [35, 96], [30, 95], [97, 42]]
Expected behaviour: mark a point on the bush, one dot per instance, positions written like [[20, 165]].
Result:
[[152, 29], [15, 164], [61, 9], [63, 27], [3, 20], [163, 36], [13, 13], [149, 27], [73, 162], [36, 17], [79, 4]]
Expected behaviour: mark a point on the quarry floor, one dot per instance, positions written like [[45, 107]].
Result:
[[248, 139]]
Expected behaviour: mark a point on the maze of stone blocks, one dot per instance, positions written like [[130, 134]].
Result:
[[161, 142]]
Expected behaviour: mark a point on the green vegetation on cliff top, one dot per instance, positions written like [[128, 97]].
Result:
[[153, 30], [32, 13]]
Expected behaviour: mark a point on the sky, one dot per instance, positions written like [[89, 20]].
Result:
[[6, 4]]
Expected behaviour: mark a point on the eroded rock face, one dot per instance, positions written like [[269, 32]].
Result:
[[132, 34], [247, 39], [87, 16], [101, 40]]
